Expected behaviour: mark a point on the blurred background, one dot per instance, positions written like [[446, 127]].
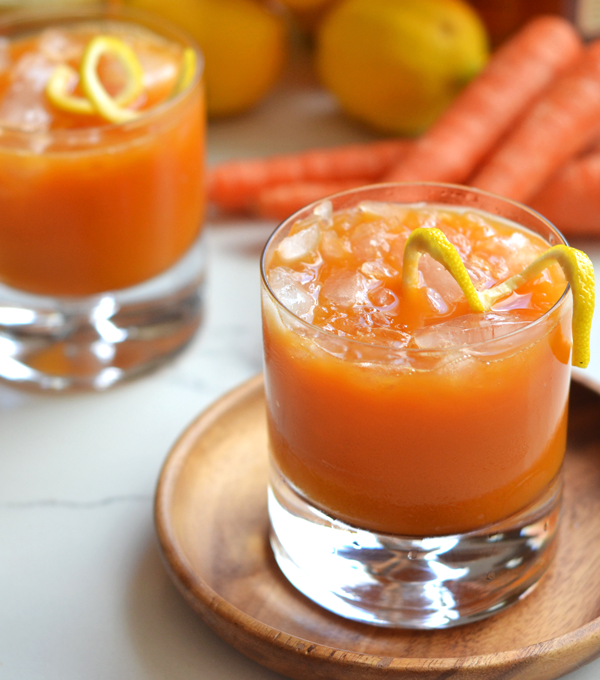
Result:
[[250, 46]]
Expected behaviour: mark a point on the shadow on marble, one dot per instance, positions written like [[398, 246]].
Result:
[[170, 638]]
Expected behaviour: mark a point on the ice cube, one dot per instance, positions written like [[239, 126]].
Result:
[[371, 241], [485, 272], [59, 47], [460, 241], [437, 278], [511, 254], [473, 328], [290, 292], [32, 70], [24, 103], [437, 302], [159, 66], [332, 246], [378, 269], [393, 211], [299, 245], [481, 223], [346, 289], [383, 298], [389, 337], [324, 213], [396, 255]]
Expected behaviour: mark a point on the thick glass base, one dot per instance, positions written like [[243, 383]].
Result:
[[60, 344], [411, 582]]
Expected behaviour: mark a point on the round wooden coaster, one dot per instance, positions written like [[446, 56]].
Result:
[[211, 519]]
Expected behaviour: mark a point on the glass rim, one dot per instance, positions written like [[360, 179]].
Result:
[[118, 14], [304, 211]]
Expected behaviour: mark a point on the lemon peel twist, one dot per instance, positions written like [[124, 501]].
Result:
[[575, 264], [108, 107], [186, 72], [97, 99], [579, 272], [57, 91], [434, 242]]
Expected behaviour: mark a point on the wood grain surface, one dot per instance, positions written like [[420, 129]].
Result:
[[212, 523]]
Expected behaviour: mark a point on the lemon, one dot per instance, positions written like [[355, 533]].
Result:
[[397, 64], [244, 46], [576, 265]]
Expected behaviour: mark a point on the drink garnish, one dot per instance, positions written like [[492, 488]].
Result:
[[97, 100], [576, 265], [434, 242], [187, 71], [108, 107], [58, 93]]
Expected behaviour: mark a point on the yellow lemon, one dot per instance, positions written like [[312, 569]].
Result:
[[244, 45], [576, 265], [397, 64]]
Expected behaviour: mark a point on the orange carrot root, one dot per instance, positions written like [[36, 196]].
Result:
[[487, 108], [280, 201], [559, 126], [571, 199], [234, 185]]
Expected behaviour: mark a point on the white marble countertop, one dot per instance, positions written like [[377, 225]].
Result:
[[83, 592]]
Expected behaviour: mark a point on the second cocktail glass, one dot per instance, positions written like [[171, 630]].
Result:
[[101, 263]]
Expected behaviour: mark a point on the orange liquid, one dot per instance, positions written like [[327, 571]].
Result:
[[437, 444], [89, 207]]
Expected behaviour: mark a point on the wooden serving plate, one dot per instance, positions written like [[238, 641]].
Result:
[[211, 519]]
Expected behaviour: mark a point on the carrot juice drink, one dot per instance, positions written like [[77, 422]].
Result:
[[397, 414], [102, 173]]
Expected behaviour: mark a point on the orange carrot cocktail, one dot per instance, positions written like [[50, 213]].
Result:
[[102, 173], [397, 411]]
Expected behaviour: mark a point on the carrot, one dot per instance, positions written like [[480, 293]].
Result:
[[571, 199], [234, 185], [560, 125], [280, 201], [486, 109]]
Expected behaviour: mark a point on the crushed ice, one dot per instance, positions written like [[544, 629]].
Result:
[[290, 292], [473, 328], [23, 105], [59, 46], [346, 289], [299, 245]]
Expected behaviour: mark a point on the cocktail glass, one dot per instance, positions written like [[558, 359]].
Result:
[[101, 258], [415, 488]]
